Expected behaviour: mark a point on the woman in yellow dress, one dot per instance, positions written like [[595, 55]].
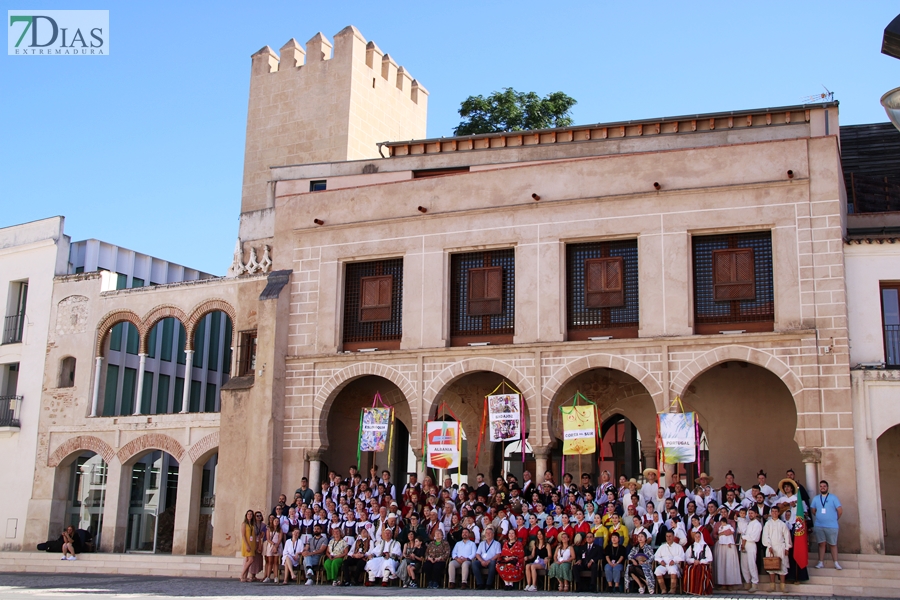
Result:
[[248, 544]]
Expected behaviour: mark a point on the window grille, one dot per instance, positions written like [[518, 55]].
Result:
[[373, 304], [483, 313], [602, 289], [739, 292]]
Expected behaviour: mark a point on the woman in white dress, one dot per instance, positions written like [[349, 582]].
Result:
[[727, 561]]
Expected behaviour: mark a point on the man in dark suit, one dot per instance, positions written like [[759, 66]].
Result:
[[588, 557]]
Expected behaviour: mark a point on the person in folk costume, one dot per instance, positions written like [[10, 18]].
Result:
[[789, 499], [751, 533], [511, 561], [650, 488], [669, 556], [605, 484], [355, 561], [765, 488], [586, 485], [732, 503], [697, 525], [681, 499], [638, 527], [777, 539], [383, 558], [698, 579], [623, 486], [658, 529], [639, 566], [704, 492], [730, 485], [804, 495], [728, 564]]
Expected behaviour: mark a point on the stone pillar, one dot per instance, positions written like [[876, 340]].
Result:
[[139, 393], [541, 462], [315, 470], [811, 458], [187, 509], [95, 401], [648, 449], [188, 375], [115, 507], [420, 467]]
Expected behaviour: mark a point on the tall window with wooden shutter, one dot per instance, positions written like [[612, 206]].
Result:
[[485, 291], [604, 282], [373, 305], [734, 274], [602, 290], [733, 282], [375, 298]]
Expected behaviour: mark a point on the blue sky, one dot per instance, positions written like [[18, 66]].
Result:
[[144, 148]]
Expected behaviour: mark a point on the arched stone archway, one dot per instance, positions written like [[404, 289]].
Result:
[[155, 316], [203, 309], [150, 441], [888, 446], [203, 448], [79, 444], [112, 319], [604, 361]]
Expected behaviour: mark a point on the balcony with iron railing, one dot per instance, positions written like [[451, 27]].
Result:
[[13, 328], [892, 346], [9, 411]]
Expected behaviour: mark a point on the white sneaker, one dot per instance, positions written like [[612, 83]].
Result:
[[64, 558], [820, 564], [838, 566], [72, 558], [309, 582]]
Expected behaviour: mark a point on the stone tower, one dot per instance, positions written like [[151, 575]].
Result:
[[309, 106]]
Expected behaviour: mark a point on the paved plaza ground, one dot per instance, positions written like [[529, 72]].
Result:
[[37, 586]]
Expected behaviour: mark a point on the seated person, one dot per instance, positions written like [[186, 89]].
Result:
[[669, 557]]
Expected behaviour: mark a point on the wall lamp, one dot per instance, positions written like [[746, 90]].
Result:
[[422, 210], [318, 221]]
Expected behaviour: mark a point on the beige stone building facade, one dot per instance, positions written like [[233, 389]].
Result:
[[697, 258]]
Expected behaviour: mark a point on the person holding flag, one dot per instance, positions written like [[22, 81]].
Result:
[[790, 499]]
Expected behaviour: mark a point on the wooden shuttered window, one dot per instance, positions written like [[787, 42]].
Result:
[[734, 274], [485, 291], [604, 282], [375, 298]]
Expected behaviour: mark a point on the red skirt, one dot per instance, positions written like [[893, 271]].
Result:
[[698, 579], [510, 572]]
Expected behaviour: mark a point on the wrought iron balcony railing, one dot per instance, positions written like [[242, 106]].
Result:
[[9, 410], [13, 327]]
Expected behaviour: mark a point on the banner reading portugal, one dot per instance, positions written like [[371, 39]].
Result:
[[443, 444], [374, 432], [505, 417], [579, 430], [679, 437]]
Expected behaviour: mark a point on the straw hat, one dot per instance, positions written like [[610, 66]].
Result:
[[709, 478], [649, 470], [793, 483]]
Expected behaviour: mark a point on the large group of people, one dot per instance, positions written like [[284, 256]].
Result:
[[619, 536]]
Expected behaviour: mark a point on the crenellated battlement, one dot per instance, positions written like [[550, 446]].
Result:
[[324, 103], [292, 58]]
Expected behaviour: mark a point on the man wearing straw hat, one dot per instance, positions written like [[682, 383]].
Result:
[[704, 492], [650, 488]]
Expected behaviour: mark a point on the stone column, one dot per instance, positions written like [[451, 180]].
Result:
[[95, 401], [811, 458], [541, 462], [139, 393], [420, 467], [187, 509], [115, 507], [315, 470], [188, 376], [649, 451]]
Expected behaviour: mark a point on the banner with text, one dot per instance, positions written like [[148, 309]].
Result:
[[505, 417], [443, 444], [579, 430], [679, 438], [374, 432]]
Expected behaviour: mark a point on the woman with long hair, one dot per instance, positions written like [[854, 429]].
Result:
[[561, 569], [259, 532], [271, 550], [248, 544], [511, 561], [537, 560], [639, 566]]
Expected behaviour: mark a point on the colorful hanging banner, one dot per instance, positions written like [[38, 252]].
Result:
[[443, 444], [678, 437], [374, 431], [579, 430], [505, 416]]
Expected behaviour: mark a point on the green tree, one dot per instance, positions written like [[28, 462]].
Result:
[[510, 110]]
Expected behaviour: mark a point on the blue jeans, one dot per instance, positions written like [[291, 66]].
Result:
[[478, 571], [613, 573]]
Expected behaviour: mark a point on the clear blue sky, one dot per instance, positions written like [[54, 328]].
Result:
[[144, 148]]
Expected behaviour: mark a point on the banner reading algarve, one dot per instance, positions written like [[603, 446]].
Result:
[[579, 430], [505, 417], [443, 444], [374, 434], [679, 439]]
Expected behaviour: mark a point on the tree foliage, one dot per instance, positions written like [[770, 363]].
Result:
[[509, 110]]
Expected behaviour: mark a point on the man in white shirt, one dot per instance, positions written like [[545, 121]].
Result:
[[382, 559], [669, 556], [484, 563], [463, 553], [751, 532], [649, 490]]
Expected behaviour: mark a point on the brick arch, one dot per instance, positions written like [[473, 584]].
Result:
[[203, 309], [330, 389], [474, 365], [79, 444], [707, 360], [204, 447], [112, 319], [151, 441], [603, 361], [155, 316]]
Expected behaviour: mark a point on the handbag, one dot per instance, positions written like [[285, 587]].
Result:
[[771, 563]]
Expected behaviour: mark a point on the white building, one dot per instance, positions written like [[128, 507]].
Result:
[[31, 255]]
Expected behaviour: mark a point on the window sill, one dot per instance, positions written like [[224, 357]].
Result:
[[748, 327], [8, 431], [493, 340]]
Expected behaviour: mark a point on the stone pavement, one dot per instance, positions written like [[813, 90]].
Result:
[[36, 586]]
